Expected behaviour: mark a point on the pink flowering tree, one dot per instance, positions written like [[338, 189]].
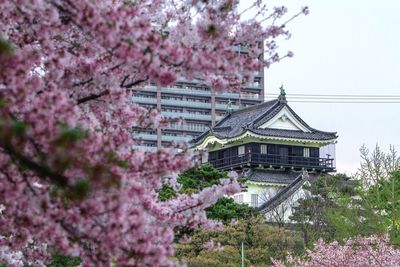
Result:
[[71, 178], [358, 252]]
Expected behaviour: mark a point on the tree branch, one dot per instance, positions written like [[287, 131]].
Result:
[[92, 97], [130, 85], [41, 170], [106, 92], [83, 82]]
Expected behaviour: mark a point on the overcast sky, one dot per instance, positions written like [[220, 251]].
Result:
[[344, 47]]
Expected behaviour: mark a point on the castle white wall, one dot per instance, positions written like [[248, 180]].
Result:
[[265, 191]]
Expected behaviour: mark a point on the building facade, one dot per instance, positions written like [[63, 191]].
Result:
[[197, 105], [273, 149]]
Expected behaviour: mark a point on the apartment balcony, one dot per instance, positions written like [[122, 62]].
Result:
[[146, 148], [227, 95], [224, 106], [145, 136], [186, 116], [177, 138], [193, 91], [274, 161], [178, 90], [190, 128], [250, 96], [186, 91], [183, 103], [253, 86], [144, 100]]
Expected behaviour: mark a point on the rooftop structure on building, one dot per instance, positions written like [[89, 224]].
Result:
[[272, 147]]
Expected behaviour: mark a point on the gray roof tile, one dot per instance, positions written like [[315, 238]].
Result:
[[250, 118], [271, 177], [283, 194]]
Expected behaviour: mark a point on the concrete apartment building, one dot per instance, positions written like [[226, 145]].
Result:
[[198, 106]]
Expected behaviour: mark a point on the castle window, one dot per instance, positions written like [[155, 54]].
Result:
[[238, 198], [263, 149], [241, 150], [306, 152], [254, 200]]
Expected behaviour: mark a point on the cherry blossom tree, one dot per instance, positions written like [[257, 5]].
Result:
[[71, 179], [358, 252]]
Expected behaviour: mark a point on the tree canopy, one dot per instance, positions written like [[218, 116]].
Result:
[[70, 177], [204, 176]]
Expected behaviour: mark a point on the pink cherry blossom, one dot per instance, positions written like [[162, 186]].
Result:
[[71, 176], [358, 252]]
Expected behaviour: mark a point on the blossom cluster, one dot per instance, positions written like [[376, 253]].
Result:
[[358, 252]]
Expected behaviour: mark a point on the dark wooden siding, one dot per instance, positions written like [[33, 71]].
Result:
[[272, 149], [314, 152]]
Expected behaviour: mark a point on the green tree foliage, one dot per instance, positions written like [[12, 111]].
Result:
[[377, 165], [389, 197], [261, 242], [195, 179], [5, 48], [312, 214], [64, 261], [376, 208], [380, 173], [226, 210], [166, 192], [192, 181]]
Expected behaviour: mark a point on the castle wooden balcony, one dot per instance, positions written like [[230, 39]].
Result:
[[273, 161]]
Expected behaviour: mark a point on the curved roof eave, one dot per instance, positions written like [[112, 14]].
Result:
[[210, 139]]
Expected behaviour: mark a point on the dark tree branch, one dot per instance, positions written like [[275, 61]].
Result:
[[40, 170], [35, 145], [92, 97], [124, 80], [8, 177], [134, 83], [106, 92], [83, 82]]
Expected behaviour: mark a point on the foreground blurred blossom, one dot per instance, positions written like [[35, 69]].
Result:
[[71, 180], [358, 252]]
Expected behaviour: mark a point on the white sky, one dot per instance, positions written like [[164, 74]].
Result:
[[344, 47]]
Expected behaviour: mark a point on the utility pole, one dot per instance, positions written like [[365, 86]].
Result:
[[242, 255]]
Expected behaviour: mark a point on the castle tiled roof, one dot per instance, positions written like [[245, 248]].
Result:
[[251, 118], [283, 194], [266, 176]]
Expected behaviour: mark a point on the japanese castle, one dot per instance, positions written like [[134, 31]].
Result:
[[273, 149]]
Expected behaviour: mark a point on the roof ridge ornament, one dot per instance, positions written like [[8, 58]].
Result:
[[282, 95], [229, 107]]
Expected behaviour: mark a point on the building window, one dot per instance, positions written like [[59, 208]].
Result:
[[263, 149], [241, 150], [254, 200], [306, 152], [238, 198]]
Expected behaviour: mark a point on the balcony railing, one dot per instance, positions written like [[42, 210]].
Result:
[[185, 115], [176, 138], [146, 136], [193, 128], [273, 160], [185, 103], [250, 96], [186, 91], [220, 106], [144, 100], [227, 95]]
